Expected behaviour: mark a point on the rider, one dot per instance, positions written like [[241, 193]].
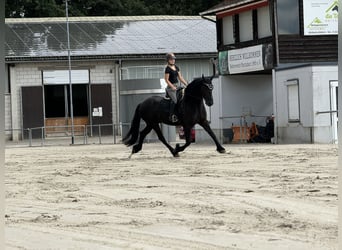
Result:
[[172, 74]]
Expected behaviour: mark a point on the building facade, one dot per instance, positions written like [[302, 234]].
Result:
[[103, 52], [274, 56]]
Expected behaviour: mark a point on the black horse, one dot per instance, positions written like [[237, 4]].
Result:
[[190, 110]]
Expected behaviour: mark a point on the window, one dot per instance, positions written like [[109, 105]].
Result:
[[288, 16], [264, 22], [228, 30], [7, 80], [246, 26], [293, 100]]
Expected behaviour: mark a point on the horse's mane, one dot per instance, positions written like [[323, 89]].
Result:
[[193, 84]]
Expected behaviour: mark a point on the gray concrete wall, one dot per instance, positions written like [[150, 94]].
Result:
[[314, 96], [235, 95], [241, 94]]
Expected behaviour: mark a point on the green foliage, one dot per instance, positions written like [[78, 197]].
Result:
[[55, 8]]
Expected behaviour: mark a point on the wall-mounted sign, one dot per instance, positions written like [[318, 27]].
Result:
[[320, 17], [78, 76], [249, 59], [97, 112]]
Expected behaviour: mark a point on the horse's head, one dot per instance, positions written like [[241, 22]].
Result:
[[207, 90], [201, 88]]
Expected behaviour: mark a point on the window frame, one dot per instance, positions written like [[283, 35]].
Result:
[[280, 20], [247, 25], [224, 30], [293, 117], [236, 23], [258, 22]]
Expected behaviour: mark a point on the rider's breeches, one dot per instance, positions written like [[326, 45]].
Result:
[[172, 94]]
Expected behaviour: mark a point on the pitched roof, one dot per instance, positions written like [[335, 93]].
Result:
[[226, 4], [29, 38]]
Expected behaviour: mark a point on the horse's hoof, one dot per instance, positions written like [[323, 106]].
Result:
[[175, 153], [222, 151], [136, 148]]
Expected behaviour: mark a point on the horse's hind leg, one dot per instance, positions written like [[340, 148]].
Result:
[[187, 133], [137, 147], [163, 140]]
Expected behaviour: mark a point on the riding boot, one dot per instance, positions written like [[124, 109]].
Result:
[[173, 118]]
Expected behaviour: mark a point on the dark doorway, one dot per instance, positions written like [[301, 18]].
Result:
[[101, 97], [58, 108], [80, 99], [33, 113], [57, 100], [54, 101]]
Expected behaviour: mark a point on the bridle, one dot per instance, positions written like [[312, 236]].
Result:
[[210, 86]]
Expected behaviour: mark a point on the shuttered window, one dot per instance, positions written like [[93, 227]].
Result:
[[264, 22], [293, 100], [246, 26], [228, 30]]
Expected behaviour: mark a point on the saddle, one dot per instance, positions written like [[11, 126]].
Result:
[[179, 94], [167, 105]]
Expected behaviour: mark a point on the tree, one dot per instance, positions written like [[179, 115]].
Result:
[[55, 8], [33, 8]]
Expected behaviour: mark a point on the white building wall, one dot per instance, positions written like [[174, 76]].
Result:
[[303, 75], [106, 73], [314, 96], [30, 74], [8, 115], [322, 102], [101, 72], [21, 75]]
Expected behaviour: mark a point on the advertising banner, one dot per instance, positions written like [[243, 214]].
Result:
[[320, 17], [249, 59]]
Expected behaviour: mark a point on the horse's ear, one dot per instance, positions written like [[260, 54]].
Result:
[[203, 77]]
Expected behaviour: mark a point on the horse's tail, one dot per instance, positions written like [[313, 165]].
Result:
[[133, 133]]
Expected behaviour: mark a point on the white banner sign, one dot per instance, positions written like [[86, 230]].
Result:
[[245, 60], [320, 17], [78, 76]]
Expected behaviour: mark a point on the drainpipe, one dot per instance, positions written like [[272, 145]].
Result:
[[274, 87], [117, 78], [275, 33]]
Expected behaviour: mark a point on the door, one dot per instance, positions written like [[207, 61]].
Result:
[[334, 106], [58, 108], [32, 110], [101, 108]]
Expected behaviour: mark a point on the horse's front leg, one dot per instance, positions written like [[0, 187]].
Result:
[[187, 134], [206, 126]]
